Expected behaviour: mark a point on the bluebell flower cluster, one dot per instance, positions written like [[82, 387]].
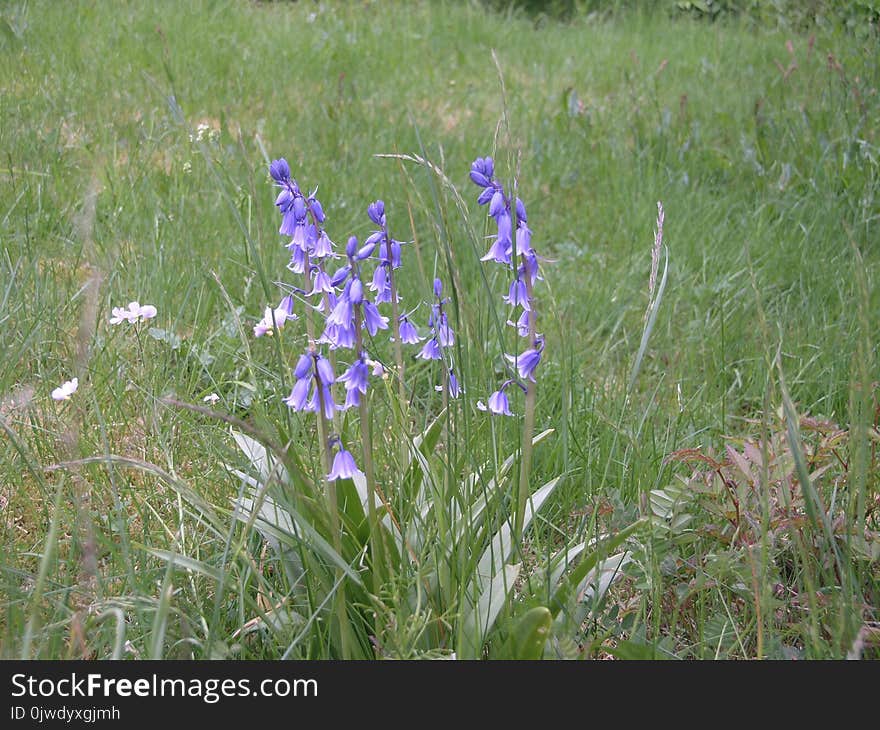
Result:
[[348, 288], [511, 247], [342, 298]]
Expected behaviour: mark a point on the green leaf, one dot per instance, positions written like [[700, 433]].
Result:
[[634, 650], [529, 636], [502, 544], [479, 621], [290, 528]]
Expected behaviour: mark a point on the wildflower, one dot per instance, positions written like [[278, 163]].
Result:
[[482, 171], [279, 170], [314, 376], [66, 390], [373, 321], [357, 376], [518, 294], [445, 335], [356, 379], [408, 332], [527, 362], [499, 405], [376, 211], [343, 466], [302, 218], [380, 284], [298, 395], [320, 282], [521, 324], [378, 369], [133, 314], [430, 350], [275, 318]]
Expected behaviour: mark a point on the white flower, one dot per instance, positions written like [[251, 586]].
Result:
[[133, 314], [66, 390], [266, 326], [212, 398]]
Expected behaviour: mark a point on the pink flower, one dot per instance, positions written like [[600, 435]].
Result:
[[66, 390], [134, 313]]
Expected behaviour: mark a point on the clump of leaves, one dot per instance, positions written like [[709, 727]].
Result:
[[757, 551]]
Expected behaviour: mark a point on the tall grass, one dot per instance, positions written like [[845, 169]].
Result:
[[765, 155]]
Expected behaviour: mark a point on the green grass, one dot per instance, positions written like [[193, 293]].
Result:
[[768, 173]]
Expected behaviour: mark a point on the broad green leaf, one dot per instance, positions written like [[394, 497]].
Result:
[[502, 544], [479, 621], [529, 635], [288, 527]]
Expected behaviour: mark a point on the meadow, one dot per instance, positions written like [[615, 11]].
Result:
[[694, 473]]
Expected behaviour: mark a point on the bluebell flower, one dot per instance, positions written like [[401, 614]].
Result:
[[390, 256], [498, 204], [528, 361], [445, 335], [523, 240], [356, 379], [430, 350], [315, 208], [482, 171], [376, 211], [280, 171], [324, 370], [297, 260], [344, 466], [343, 313], [380, 284], [408, 332], [365, 251], [323, 246], [340, 276], [498, 405], [486, 196], [303, 366], [299, 394], [521, 324], [275, 318], [454, 388], [502, 247], [320, 281], [373, 321], [518, 295]]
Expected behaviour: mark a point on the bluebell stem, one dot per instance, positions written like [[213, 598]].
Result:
[[385, 287], [303, 220], [523, 261], [442, 337]]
